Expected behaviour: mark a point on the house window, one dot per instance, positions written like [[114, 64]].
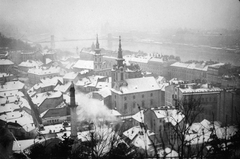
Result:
[[151, 94], [133, 97], [125, 98], [125, 106], [143, 103], [143, 96], [151, 101], [134, 104]]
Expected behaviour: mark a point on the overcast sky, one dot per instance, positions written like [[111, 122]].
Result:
[[76, 15]]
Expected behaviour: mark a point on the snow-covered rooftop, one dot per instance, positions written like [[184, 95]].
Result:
[[30, 63], [40, 97], [12, 85], [169, 115], [84, 64], [136, 85], [6, 62], [44, 71]]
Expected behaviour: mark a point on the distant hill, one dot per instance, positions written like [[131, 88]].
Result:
[[14, 44]]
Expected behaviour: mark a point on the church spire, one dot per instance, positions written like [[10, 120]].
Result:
[[97, 44], [120, 49], [120, 57]]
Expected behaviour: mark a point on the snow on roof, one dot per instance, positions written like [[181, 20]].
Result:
[[9, 107], [176, 81], [133, 58], [180, 64], [136, 85], [70, 75], [115, 112], [156, 59], [195, 66], [170, 115], [40, 97], [105, 92], [12, 85], [20, 145], [199, 88], [22, 118], [88, 81], [217, 65], [11, 93], [226, 132], [52, 128], [2, 74], [6, 62], [103, 85], [63, 88], [170, 153], [137, 136], [52, 80], [48, 60], [44, 71], [84, 64], [139, 116], [30, 63]]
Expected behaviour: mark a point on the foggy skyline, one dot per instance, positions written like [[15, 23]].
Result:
[[79, 16]]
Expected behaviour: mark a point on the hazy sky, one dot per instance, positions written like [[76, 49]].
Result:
[[78, 15]]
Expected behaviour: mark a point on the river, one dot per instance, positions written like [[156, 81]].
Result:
[[185, 52]]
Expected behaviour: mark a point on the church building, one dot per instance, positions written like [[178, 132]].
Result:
[[129, 95]]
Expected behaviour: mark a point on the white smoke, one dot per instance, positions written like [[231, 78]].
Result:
[[92, 110]]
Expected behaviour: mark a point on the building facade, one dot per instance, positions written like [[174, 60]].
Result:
[[131, 94]]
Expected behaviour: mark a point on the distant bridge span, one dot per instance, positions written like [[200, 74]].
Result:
[[66, 40]]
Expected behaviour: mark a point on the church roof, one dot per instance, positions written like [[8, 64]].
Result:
[[137, 85], [84, 64]]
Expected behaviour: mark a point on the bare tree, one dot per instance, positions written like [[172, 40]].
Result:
[[175, 133]]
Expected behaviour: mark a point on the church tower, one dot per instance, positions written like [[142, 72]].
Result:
[[97, 57], [118, 71]]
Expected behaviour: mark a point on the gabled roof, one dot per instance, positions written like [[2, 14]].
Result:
[[84, 64], [137, 137], [54, 112], [40, 97], [137, 85], [169, 115]]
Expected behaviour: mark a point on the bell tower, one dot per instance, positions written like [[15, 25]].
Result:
[[118, 71], [97, 57]]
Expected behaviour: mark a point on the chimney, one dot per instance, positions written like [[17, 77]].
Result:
[[73, 110]]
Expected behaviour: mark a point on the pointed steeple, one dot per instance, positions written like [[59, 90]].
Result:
[[97, 44], [120, 57], [120, 49]]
